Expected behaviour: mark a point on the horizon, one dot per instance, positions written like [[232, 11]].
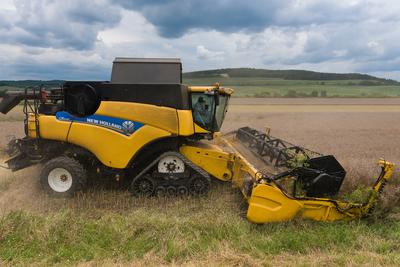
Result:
[[186, 72]]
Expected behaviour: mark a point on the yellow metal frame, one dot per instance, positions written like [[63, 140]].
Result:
[[203, 89], [267, 202]]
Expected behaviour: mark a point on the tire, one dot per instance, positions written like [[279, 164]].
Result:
[[63, 177]]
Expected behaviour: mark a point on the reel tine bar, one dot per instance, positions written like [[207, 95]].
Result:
[[272, 150]]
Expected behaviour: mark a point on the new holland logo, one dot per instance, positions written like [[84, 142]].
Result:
[[128, 126]]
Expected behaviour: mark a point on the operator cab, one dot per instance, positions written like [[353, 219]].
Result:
[[209, 109]]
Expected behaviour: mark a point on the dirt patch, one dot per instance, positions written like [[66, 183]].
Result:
[[9, 130], [19, 190], [16, 114]]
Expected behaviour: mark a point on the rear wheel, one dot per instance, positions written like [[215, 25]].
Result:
[[63, 176]]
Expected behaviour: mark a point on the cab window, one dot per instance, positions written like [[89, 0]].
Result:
[[203, 107]]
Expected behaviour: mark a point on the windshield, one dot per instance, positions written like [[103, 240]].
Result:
[[221, 110], [207, 112]]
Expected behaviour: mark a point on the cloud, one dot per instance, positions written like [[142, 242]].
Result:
[[204, 53], [175, 18], [59, 24], [50, 63]]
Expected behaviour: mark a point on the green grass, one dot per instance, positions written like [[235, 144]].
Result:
[[265, 87], [197, 231]]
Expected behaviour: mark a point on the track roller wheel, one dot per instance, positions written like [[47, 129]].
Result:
[[143, 186], [183, 191], [160, 191], [198, 185], [171, 191], [63, 177]]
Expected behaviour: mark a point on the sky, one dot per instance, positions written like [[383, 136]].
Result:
[[78, 40]]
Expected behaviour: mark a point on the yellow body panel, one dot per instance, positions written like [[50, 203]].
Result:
[[203, 89], [269, 204], [32, 125], [210, 158], [198, 129], [50, 128], [319, 210], [159, 117], [111, 148], [186, 125], [179, 122]]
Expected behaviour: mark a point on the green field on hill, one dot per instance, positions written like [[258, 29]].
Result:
[[269, 87], [249, 82]]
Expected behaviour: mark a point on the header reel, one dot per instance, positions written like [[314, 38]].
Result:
[[317, 175]]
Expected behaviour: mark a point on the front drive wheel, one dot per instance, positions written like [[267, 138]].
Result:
[[63, 176]]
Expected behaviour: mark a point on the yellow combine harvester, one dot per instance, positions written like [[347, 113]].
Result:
[[146, 127]]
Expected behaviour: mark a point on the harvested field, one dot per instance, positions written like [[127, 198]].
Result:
[[9, 130], [357, 139], [106, 226]]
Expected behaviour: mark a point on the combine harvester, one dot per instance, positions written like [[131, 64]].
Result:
[[146, 127]]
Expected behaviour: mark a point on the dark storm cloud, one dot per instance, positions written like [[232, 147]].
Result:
[[176, 17], [60, 24], [37, 69], [92, 13]]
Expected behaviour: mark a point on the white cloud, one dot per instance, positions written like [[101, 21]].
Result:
[[204, 53], [133, 28], [376, 47]]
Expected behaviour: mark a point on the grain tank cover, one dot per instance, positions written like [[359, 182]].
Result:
[[146, 71]]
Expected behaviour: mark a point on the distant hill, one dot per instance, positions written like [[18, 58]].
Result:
[[237, 73], [26, 83], [286, 75]]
